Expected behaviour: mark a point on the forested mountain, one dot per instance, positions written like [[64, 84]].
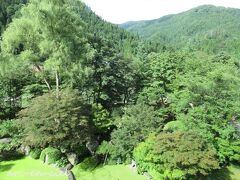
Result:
[[8, 9], [76, 90], [208, 28]]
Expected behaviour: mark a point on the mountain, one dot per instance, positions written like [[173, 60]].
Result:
[[208, 28]]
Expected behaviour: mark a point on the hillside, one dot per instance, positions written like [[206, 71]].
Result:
[[207, 27]]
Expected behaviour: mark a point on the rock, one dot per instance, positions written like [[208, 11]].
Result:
[[69, 166], [148, 176], [72, 158], [71, 175], [133, 164], [5, 140], [92, 146], [25, 150]]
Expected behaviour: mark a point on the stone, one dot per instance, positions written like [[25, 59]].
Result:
[[5, 140], [72, 158], [71, 175], [148, 176], [69, 166], [92, 146], [25, 149]]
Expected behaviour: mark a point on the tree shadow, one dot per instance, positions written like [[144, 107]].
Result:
[[5, 167], [223, 173], [9, 156]]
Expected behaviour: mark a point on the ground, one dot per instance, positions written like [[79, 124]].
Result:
[[29, 169], [111, 172]]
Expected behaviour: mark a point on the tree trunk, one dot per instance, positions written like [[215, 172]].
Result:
[[48, 85], [38, 68], [57, 85]]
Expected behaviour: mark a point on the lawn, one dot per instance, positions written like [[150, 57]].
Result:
[[113, 172], [29, 169]]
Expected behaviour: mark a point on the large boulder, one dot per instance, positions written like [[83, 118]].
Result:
[[5, 140], [92, 146], [25, 149], [72, 158]]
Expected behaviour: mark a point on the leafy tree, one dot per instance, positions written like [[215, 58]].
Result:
[[206, 100], [163, 69], [8, 9], [61, 123], [43, 38], [135, 125], [176, 155]]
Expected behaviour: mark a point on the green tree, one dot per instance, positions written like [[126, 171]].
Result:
[[61, 123], [176, 155], [135, 125], [48, 37]]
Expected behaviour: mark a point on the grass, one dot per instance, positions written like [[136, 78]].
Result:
[[29, 169], [110, 172]]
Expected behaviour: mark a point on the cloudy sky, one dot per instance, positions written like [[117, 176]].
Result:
[[119, 11]]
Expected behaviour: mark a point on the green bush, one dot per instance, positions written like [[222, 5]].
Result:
[[7, 128], [88, 164], [53, 155], [178, 155], [63, 162], [35, 153]]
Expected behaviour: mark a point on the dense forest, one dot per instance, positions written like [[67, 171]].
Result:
[[77, 89], [205, 28]]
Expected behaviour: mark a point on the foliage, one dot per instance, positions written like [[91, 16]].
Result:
[[63, 162], [52, 154], [62, 122], [9, 129], [229, 150], [9, 9], [176, 155], [88, 164], [163, 69], [134, 126], [101, 118], [35, 153], [174, 126], [205, 28]]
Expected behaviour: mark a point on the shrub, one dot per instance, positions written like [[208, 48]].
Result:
[[53, 155], [176, 155], [174, 126], [35, 153], [63, 162], [88, 164]]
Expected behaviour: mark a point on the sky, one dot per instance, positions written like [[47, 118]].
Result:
[[120, 11]]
